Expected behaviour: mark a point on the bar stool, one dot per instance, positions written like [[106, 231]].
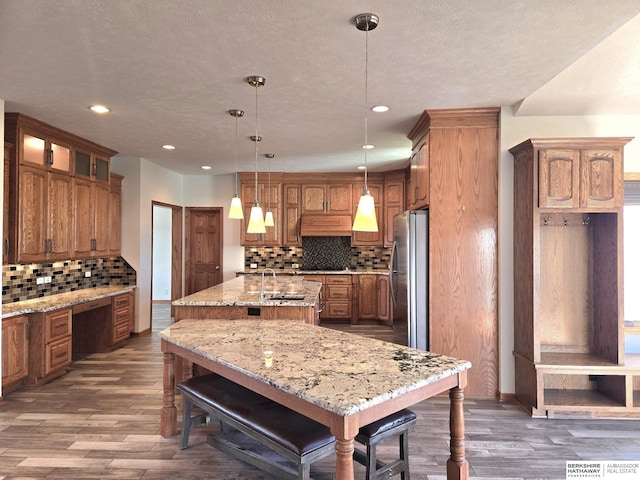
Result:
[[371, 435]]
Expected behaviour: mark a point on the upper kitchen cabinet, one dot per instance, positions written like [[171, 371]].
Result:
[[91, 212], [577, 173], [393, 202], [418, 193], [326, 198], [43, 200], [369, 238], [91, 166], [291, 214], [8, 152], [115, 215], [269, 194]]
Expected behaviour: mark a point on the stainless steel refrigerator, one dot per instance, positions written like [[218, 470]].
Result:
[[410, 278]]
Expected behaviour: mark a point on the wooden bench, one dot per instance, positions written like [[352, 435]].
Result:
[[290, 434], [293, 436]]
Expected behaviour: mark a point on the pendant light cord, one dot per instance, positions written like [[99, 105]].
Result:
[[256, 141], [366, 113], [236, 152]]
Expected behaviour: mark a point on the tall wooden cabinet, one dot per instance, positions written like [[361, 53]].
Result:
[[58, 208], [458, 180], [568, 325]]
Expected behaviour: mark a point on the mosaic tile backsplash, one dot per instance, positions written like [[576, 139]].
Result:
[[20, 282], [360, 258]]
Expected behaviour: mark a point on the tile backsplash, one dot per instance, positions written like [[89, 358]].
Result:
[[359, 258], [20, 282]]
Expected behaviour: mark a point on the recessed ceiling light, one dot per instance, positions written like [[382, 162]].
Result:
[[368, 147], [168, 147], [361, 167], [206, 167], [380, 108], [99, 109]]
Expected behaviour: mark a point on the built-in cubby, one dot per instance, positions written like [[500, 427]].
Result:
[[569, 333]]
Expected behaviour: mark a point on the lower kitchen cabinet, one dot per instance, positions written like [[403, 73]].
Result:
[[122, 307], [15, 352], [337, 295], [103, 324], [385, 307], [374, 298], [50, 345]]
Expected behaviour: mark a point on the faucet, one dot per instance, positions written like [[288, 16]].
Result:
[[273, 273]]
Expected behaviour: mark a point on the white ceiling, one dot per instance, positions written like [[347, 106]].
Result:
[[170, 70]]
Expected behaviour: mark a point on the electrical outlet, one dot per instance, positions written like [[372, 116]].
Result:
[[47, 279], [87, 274], [295, 265], [253, 265], [39, 280]]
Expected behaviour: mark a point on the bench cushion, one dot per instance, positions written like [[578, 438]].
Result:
[[387, 423], [291, 430]]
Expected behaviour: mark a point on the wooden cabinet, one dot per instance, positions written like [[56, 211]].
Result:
[[327, 198], [369, 238], [49, 345], [266, 196], [568, 325], [571, 176], [44, 215], [418, 193], [368, 296], [385, 307], [115, 215], [15, 352], [121, 321], [92, 218], [337, 292], [393, 203], [44, 202], [456, 175], [291, 205], [8, 152]]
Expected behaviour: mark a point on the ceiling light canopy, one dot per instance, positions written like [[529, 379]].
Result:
[[365, 220]]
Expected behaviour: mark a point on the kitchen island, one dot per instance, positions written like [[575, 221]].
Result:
[[282, 298], [341, 380]]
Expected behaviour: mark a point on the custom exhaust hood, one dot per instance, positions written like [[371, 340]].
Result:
[[325, 225]]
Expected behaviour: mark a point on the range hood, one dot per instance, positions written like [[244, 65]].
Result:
[[325, 225]]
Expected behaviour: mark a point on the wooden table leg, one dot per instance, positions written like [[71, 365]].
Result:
[[457, 465], [344, 459], [168, 412]]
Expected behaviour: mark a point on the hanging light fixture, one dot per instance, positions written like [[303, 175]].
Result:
[[235, 211], [256, 221], [365, 220], [268, 217]]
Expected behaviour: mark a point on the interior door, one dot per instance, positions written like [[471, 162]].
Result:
[[204, 248]]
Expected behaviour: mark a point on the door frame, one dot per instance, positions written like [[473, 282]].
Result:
[[187, 228], [176, 250]]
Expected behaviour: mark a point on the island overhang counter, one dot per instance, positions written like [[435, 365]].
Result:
[[282, 298]]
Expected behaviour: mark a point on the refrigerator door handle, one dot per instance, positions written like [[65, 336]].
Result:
[[393, 273]]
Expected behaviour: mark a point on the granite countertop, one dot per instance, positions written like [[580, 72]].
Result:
[[244, 291], [61, 300], [296, 271], [341, 372]]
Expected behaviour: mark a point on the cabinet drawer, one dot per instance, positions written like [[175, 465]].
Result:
[[121, 301], [120, 332], [87, 306], [121, 316], [340, 292], [57, 325], [338, 310], [57, 354], [338, 279]]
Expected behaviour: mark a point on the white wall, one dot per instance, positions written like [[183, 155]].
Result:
[[513, 131], [144, 183], [216, 191], [161, 250]]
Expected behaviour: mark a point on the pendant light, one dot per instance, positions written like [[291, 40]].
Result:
[[268, 217], [365, 220], [235, 211], [256, 221]]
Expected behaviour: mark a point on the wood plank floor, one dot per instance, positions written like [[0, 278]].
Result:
[[101, 421]]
